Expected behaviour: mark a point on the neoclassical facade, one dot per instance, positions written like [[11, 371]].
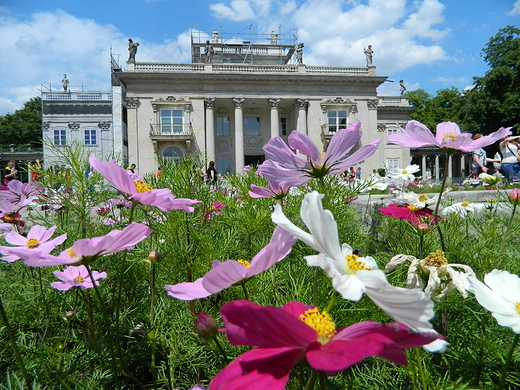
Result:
[[228, 104], [90, 118]]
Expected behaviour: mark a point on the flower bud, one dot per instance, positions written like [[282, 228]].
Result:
[[206, 326], [514, 196], [488, 179], [154, 256], [423, 227], [70, 314]]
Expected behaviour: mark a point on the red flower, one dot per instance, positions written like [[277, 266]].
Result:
[[286, 334], [410, 213]]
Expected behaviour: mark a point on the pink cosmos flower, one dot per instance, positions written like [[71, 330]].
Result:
[[88, 249], [412, 214], [277, 189], [447, 136], [76, 277], [16, 191], [37, 239], [285, 335], [214, 209], [285, 165], [230, 272], [135, 187]]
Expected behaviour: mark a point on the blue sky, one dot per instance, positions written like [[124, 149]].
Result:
[[430, 44]]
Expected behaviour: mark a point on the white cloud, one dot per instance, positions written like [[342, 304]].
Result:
[[451, 80], [516, 9], [44, 46], [238, 11]]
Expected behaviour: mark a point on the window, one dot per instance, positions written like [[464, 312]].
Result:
[[391, 130], [251, 126], [224, 164], [392, 164], [172, 121], [90, 137], [222, 125], [337, 120], [60, 137], [173, 153], [283, 126]]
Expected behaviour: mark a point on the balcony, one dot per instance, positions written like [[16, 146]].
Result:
[[170, 132]]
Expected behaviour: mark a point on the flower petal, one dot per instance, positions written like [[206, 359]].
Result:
[[188, 291]]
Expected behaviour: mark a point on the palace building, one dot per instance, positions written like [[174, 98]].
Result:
[[239, 91]]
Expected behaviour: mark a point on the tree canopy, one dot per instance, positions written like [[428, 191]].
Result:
[[24, 125]]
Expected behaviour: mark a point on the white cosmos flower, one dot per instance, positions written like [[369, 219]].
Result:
[[406, 174], [442, 277], [353, 276], [369, 184], [501, 296], [463, 209], [418, 200]]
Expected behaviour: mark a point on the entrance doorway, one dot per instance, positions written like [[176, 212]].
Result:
[[254, 160]]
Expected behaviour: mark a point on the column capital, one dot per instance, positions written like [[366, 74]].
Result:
[[131, 102], [209, 103], [302, 103], [274, 102], [238, 102]]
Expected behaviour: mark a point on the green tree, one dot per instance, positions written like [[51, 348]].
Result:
[[430, 110], [24, 125], [494, 100]]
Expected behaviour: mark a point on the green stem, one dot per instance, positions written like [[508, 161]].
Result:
[[312, 380], [12, 340], [421, 246], [331, 302], [424, 382], [219, 346], [244, 288], [436, 212], [152, 325], [115, 371], [506, 236], [507, 363]]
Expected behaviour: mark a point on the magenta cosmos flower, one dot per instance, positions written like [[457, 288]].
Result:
[[87, 250], [447, 136], [137, 190], [76, 277], [285, 165], [410, 213], [38, 239], [230, 272], [285, 335]]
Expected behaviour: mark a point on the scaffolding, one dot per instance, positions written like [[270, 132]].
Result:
[[243, 47]]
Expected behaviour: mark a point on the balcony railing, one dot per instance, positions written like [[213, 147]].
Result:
[[244, 68], [171, 131]]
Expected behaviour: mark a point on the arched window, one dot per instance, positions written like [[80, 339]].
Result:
[[173, 153]]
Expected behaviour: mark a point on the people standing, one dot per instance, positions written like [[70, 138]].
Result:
[[9, 173], [510, 158], [479, 162], [211, 173]]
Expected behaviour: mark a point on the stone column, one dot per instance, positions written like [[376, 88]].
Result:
[[239, 135], [302, 114], [275, 128], [463, 165], [437, 168], [450, 167], [210, 129], [423, 168]]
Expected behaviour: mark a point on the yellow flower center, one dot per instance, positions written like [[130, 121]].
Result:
[[71, 253], [451, 136], [79, 279], [435, 259], [141, 186], [8, 218], [465, 204], [517, 307], [413, 208], [354, 265], [321, 323], [423, 198], [32, 243], [245, 263], [404, 172]]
